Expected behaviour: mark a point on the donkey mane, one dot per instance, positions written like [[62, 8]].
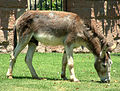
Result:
[[95, 38]]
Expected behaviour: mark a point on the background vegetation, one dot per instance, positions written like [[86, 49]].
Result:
[[46, 5], [48, 67]]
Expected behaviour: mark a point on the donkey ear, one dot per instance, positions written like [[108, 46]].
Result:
[[111, 46]]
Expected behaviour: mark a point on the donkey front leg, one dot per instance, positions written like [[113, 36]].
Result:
[[69, 52], [28, 59]]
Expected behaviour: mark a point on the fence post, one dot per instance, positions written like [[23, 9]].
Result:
[[30, 4], [61, 5], [66, 5], [56, 5], [45, 4], [35, 5], [51, 4], [40, 4]]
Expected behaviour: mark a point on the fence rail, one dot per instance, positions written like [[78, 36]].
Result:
[[46, 4]]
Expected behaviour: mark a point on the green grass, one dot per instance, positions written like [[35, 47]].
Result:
[[48, 66]]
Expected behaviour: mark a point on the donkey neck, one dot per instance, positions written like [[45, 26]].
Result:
[[94, 46], [94, 42]]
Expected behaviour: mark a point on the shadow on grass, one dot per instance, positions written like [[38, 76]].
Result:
[[115, 54], [21, 77], [53, 79], [90, 81], [45, 78], [97, 81]]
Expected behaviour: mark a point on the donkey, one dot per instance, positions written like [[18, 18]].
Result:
[[60, 28]]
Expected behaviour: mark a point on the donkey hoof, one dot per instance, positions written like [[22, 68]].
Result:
[[9, 77], [74, 80], [64, 78]]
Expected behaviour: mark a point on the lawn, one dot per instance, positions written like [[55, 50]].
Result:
[[48, 66]]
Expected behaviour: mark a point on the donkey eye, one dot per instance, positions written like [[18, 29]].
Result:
[[104, 65], [110, 62]]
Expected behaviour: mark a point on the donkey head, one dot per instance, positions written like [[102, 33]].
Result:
[[103, 63]]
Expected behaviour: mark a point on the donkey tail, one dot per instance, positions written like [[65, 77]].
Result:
[[15, 37]]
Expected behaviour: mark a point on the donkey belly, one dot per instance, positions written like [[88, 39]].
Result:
[[48, 39]]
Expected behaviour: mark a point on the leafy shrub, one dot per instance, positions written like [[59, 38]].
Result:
[[46, 5]]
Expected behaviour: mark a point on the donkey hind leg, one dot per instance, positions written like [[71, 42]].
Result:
[[20, 46], [69, 52], [28, 59], [64, 63]]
